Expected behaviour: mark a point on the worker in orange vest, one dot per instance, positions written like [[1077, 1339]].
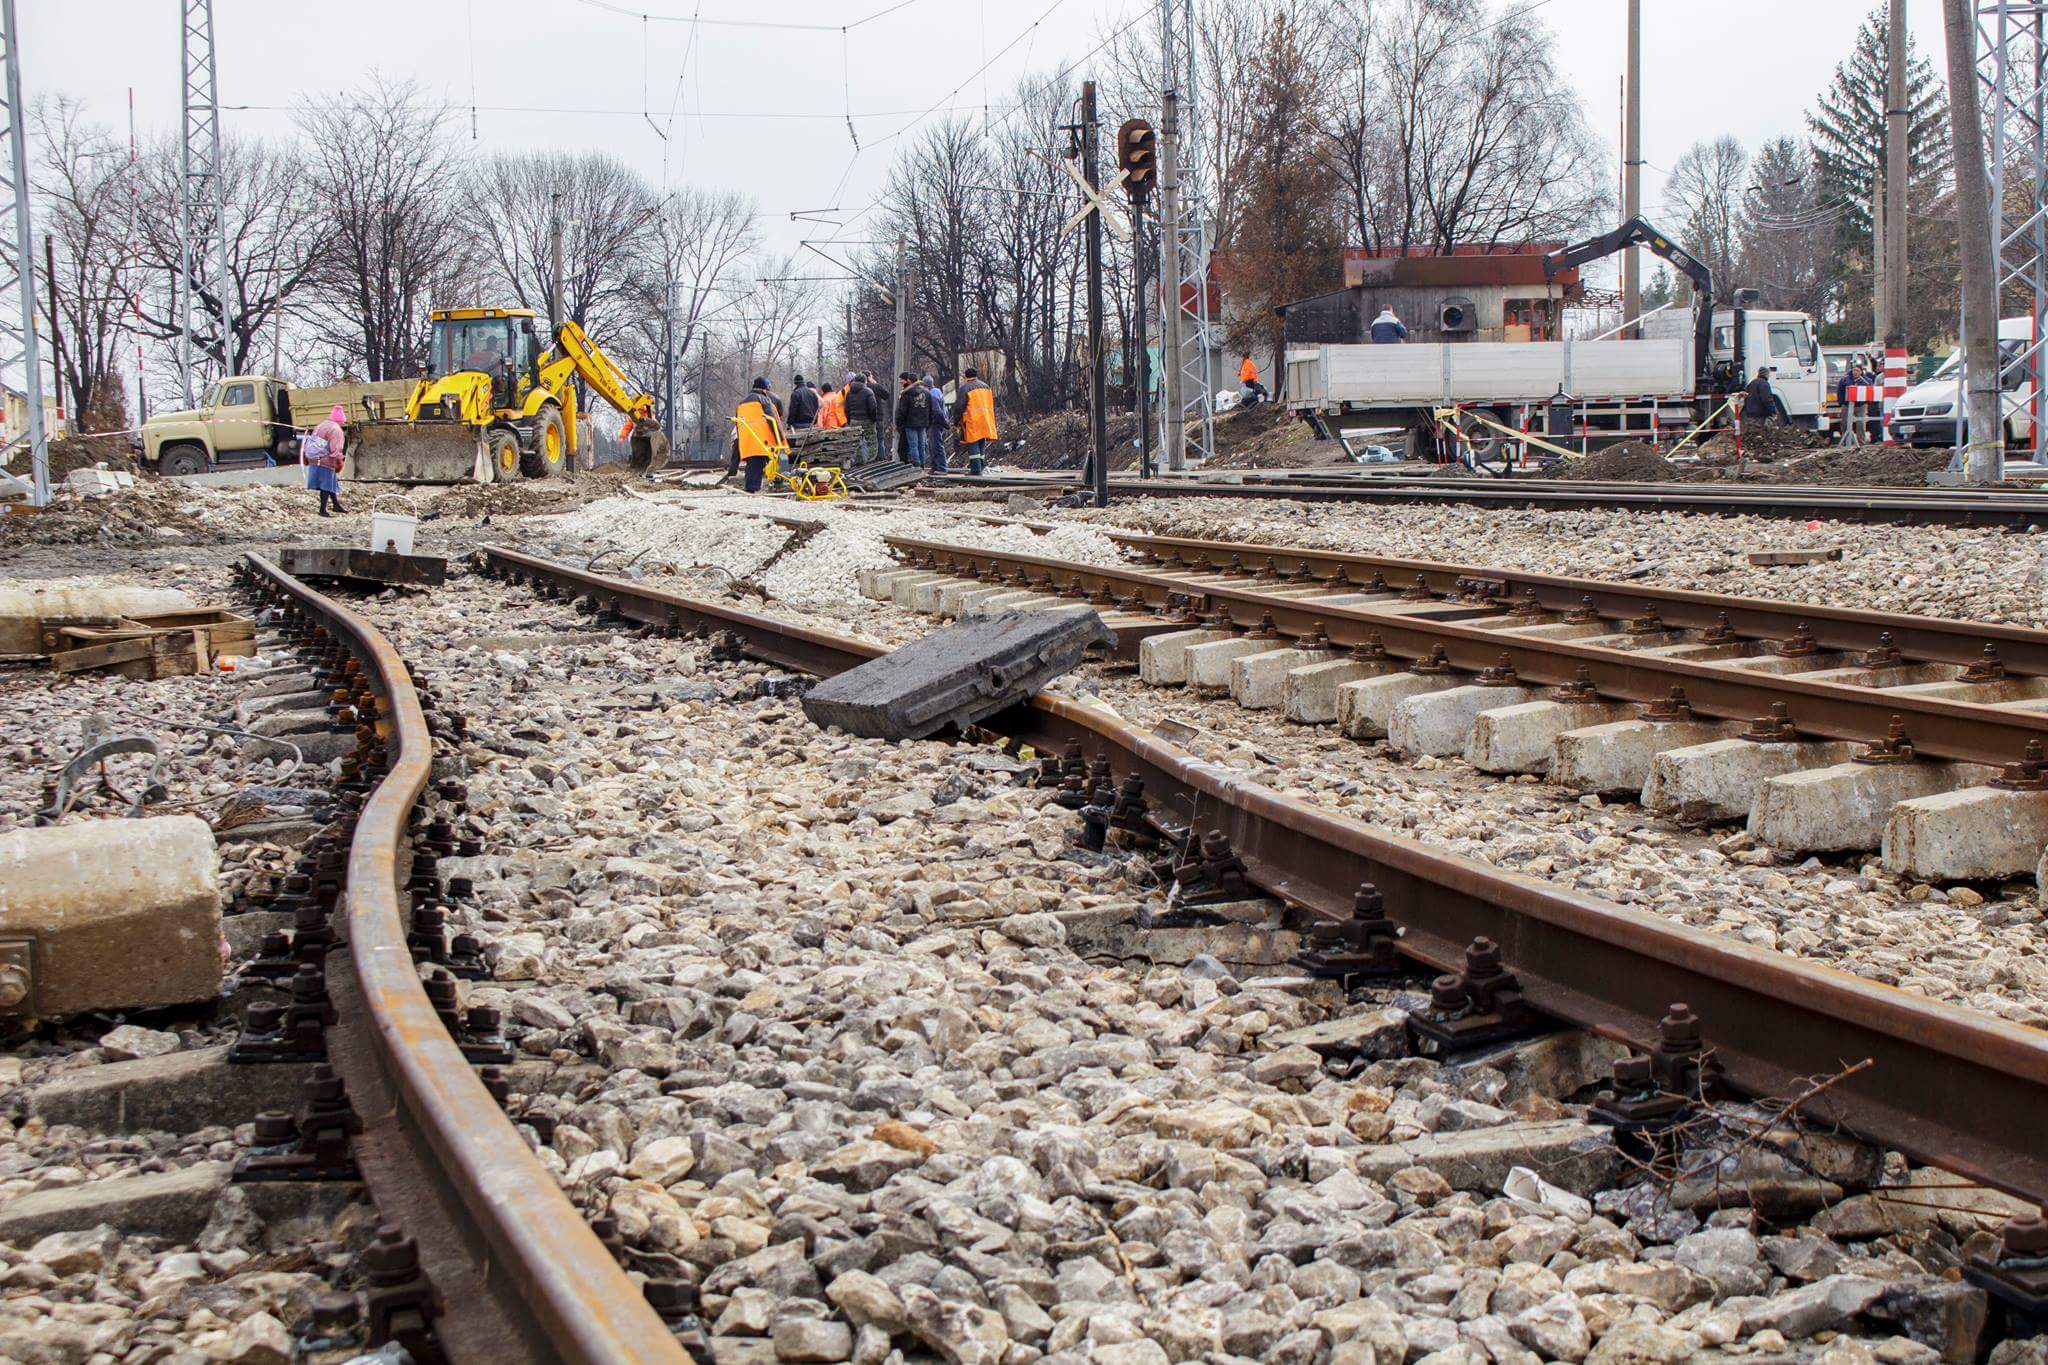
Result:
[[757, 433], [831, 409], [1248, 376], [974, 413]]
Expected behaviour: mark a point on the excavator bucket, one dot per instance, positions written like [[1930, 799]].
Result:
[[650, 447], [418, 452]]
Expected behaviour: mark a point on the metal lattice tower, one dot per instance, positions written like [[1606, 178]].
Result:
[[18, 351], [2012, 69], [202, 220], [1190, 236]]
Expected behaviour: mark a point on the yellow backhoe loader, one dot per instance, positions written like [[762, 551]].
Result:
[[497, 405]]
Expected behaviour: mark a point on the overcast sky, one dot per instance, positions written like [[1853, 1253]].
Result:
[[765, 110]]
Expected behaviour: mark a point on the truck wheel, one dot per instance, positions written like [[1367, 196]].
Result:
[[1483, 445], [548, 446], [181, 460], [503, 449]]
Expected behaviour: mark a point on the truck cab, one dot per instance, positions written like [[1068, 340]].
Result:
[[245, 420], [1785, 341]]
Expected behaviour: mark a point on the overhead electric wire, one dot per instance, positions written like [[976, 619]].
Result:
[[647, 17]]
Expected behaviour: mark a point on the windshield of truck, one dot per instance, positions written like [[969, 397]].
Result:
[[472, 344], [2013, 368]]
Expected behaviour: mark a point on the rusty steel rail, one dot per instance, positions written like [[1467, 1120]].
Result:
[[1948, 1087], [1919, 639], [517, 1273], [1999, 509], [1937, 728]]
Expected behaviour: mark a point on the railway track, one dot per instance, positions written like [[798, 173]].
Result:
[[1944, 1085], [1824, 727], [2014, 510], [515, 1272]]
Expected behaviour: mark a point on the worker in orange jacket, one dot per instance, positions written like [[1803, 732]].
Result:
[[1254, 392], [831, 409], [974, 413], [758, 433]]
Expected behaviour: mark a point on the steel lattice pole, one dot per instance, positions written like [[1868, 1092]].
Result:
[[18, 335]]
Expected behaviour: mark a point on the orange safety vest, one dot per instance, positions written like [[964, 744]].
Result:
[[1247, 373], [978, 418], [760, 430], [832, 410]]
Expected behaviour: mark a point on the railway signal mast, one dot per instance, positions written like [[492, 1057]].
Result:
[[202, 217]]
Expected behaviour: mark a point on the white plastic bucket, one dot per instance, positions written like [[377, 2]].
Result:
[[392, 531]]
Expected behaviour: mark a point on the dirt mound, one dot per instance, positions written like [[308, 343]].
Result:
[[1767, 443], [80, 452], [1882, 466], [1268, 437], [1624, 462]]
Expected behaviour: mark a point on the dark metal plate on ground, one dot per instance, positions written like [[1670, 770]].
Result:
[[363, 566], [956, 676]]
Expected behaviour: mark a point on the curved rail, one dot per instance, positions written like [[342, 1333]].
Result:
[[515, 1267], [1959, 1090]]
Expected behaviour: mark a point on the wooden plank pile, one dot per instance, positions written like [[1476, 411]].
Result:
[[157, 645]]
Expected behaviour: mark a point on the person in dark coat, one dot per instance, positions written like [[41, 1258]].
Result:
[[913, 415], [1387, 328], [1757, 406], [803, 405], [935, 434], [864, 415]]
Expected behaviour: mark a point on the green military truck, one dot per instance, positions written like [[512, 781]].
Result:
[[254, 419]]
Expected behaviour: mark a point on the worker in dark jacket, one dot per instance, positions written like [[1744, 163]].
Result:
[[913, 415], [1757, 407], [864, 415], [803, 405], [935, 433], [1388, 328]]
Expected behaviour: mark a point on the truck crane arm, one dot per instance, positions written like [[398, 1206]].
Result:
[[575, 354], [1636, 232]]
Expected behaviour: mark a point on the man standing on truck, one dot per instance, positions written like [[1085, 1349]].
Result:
[[1388, 328]]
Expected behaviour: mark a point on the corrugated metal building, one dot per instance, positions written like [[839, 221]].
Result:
[[1470, 294]]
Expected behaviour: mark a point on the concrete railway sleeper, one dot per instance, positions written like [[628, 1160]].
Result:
[[1954, 1088], [1823, 734]]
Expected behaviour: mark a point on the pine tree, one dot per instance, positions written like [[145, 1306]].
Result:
[[1848, 128]]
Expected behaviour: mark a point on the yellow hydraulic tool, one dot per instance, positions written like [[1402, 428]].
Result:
[[496, 405]]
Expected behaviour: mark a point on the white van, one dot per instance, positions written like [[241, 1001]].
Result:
[[1926, 413]]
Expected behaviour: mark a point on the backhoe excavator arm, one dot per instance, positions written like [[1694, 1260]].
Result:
[[1636, 232], [575, 354]]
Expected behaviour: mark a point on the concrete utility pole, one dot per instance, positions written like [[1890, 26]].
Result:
[[668, 358], [1173, 422], [1984, 456], [1098, 416], [1895, 179], [1632, 170], [21, 343], [902, 354], [555, 314], [1880, 278], [1142, 370]]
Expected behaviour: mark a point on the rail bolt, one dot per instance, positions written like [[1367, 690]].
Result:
[[1720, 633], [1437, 662], [2026, 1235], [1774, 727], [1988, 668]]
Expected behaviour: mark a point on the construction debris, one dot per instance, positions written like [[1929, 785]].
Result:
[[1763, 559], [351, 564], [151, 645], [956, 676], [24, 610]]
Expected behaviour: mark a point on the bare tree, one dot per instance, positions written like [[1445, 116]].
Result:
[[1704, 198], [694, 252], [276, 246], [1289, 217], [386, 181], [606, 212], [83, 206]]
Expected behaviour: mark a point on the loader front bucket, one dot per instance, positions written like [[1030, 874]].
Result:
[[417, 452], [650, 448]]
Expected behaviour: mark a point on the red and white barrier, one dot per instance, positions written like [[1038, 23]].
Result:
[[1894, 386]]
